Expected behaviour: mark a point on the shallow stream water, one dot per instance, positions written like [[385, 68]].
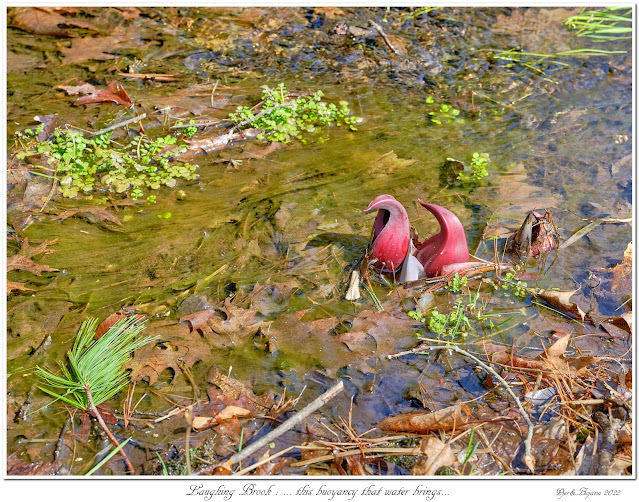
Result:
[[559, 137]]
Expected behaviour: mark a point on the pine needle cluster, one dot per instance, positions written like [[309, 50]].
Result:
[[95, 366]]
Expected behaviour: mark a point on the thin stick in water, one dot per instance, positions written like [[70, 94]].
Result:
[[289, 424], [119, 124]]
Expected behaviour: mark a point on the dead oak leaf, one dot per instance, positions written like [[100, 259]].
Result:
[[16, 286], [175, 348], [42, 21], [92, 214], [114, 93], [288, 333], [234, 389], [237, 325], [23, 259], [384, 329], [438, 454], [86, 49]]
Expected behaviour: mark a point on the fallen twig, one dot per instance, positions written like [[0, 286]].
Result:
[[119, 124], [383, 35], [204, 123], [95, 411], [287, 425], [165, 77], [380, 451]]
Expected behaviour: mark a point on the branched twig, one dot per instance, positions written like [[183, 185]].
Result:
[[95, 411], [383, 35], [529, 459]]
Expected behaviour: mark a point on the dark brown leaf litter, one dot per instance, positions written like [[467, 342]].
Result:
[[16, 467], [104, 48], [91, 214]]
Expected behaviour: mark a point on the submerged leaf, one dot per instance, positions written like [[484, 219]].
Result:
[[23, 261]]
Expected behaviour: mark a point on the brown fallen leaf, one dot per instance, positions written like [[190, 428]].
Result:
[[234, 389], [562, 300], [42, 21], [438, 454], [269, 468], [16, 286], [557, 349], [329, 12], [622, 272], [105, 325], [176, 348], [200, 423], [23, 261], [551, 362], [92, 214], [16, 467], [444, 419], [398, 43], [114, 93], [379, 333], [238, 324], [93, 48]]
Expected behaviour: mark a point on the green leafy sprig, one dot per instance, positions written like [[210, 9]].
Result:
[[284, 118]]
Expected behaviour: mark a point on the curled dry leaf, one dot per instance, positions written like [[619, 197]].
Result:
[[105, 325], [562, 300], [114, 93], [536, 236], [558, 348], [438, 454], [200, 423], [445, 419]]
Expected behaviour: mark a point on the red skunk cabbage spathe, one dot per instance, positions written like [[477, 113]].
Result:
[[391, 246]]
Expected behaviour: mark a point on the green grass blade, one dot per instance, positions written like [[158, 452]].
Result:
[[108, 457]]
